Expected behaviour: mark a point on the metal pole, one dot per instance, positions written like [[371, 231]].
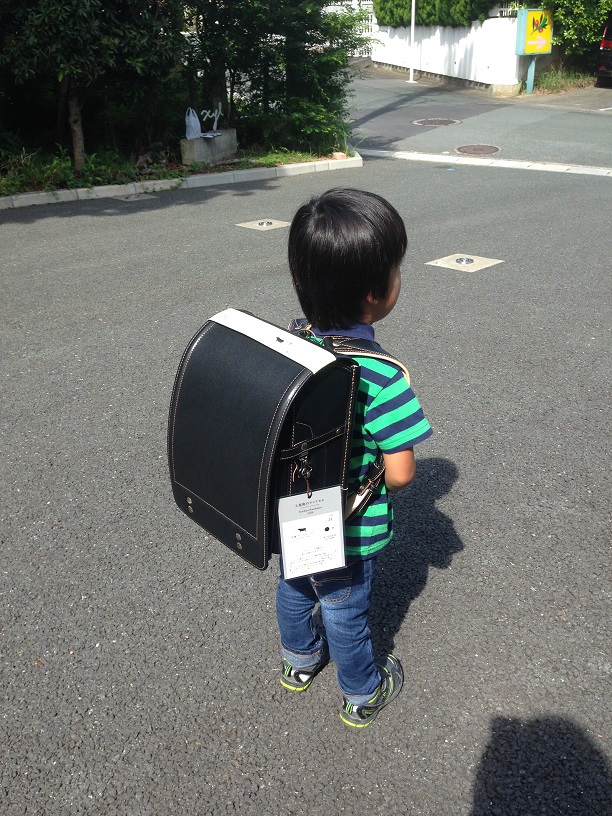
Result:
[[531, 75], [412, 56]]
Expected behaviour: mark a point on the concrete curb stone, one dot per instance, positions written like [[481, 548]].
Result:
[[189, 183]]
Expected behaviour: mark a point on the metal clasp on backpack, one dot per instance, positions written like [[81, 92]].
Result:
[[304, 469]]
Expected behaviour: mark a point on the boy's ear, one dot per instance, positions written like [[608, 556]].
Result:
[[371, 299]]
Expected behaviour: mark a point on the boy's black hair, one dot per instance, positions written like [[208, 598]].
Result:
[[343, 245]]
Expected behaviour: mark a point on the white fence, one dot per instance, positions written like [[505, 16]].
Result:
[[482, 53]]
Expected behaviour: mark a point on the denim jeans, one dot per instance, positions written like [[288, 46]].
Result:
[[344, 595]]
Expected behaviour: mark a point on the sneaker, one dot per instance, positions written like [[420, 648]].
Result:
[[300, 679], [392, 680]]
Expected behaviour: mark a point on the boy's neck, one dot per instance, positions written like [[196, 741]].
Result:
[[360, 331]]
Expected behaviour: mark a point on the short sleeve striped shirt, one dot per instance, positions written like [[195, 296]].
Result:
[[388, 417]]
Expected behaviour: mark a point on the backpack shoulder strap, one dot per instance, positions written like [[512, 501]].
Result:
[[364, 348], [363, 493], [348, 346]]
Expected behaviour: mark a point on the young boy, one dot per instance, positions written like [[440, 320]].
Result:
[[345, 250]]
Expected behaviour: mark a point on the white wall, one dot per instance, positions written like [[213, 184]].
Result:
[[483, 53]]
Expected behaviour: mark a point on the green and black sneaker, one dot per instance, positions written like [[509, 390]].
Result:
[[300, 679], [392, 680]]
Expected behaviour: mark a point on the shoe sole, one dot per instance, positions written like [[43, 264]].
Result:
[[393, 695], [291, 687]]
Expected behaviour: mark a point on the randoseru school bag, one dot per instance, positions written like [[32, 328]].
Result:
[[258, 413]]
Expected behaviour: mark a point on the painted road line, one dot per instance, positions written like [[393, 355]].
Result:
[[513, 164]]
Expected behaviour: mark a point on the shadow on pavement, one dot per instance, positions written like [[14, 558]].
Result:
[[424, 537], [115, 206], [399, 102], [546, 766]]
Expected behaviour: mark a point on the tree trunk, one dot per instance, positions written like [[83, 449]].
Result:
[[230, 100], [213, 84], [62, 112], [76, 127]]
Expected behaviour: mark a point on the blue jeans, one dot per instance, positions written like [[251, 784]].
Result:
[[344, 595]]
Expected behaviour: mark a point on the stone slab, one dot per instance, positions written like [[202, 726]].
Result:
[[295, 169], [28, 199], [208, 151], [208, 180], [255, 174], [85, 193], [112, 190], [65, 195], [155, 185]]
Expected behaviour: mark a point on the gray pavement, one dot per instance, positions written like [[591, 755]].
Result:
[[573, 127], [138, 657]]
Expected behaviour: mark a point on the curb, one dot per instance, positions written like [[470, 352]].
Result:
[[189, 183], [474, 161]]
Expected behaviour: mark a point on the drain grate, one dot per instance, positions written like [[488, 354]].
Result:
[[478, 150], [436, 122]]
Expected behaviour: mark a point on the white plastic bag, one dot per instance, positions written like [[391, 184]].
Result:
[[192, 124]]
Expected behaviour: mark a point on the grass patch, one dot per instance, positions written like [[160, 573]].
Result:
[[247, 159], [24, 171], [559, 79]]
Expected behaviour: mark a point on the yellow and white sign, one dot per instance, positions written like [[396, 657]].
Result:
[[534, 31]]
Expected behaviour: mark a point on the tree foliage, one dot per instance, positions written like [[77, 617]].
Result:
[[396, 13], [286, 64], [578, 25], [124, 71], [76, 44]]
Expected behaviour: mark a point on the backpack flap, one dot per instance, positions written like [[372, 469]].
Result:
[[244, 390]]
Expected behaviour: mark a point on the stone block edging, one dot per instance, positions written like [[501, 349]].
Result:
[[189, 183]]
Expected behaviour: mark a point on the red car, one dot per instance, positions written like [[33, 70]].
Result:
[[605, 50]]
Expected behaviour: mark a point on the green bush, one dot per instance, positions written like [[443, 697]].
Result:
[[28, 171], [128, 71], [396, 13]]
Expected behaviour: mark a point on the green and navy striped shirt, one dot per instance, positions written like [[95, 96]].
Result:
[[388, 417]]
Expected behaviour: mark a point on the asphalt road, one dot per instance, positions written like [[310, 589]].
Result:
[[574, 127], [138, 657]]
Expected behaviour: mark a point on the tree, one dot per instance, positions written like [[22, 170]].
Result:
[[280, 66], [577, 23], [77, 42], [577, 27]]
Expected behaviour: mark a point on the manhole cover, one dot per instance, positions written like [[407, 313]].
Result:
[[436, 122], [478, 150]]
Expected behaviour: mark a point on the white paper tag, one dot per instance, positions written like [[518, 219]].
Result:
[[312, 532]]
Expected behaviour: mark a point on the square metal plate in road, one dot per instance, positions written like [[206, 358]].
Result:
[[464, 262], [264, 224]]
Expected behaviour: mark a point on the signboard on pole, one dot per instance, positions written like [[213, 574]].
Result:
[[533, 32]]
